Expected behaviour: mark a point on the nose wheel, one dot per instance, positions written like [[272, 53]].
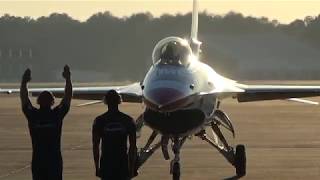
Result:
[[176, 171]]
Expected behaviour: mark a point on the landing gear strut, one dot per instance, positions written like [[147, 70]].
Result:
[[150, 148], [147, 150]]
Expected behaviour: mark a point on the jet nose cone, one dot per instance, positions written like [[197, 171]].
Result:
[[160, 97]]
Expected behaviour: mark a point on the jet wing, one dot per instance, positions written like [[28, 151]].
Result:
[[273, 92], [129, 93]]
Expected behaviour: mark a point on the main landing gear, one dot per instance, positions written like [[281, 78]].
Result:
[[236, 157]]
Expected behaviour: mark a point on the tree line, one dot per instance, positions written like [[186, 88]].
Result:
[[121, 47]]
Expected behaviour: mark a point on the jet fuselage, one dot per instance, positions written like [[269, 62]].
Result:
[[171, 93]]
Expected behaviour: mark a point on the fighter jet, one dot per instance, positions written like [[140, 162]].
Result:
[[182, 98]]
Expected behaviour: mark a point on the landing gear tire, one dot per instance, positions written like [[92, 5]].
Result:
[[176, 171], [240, 160]]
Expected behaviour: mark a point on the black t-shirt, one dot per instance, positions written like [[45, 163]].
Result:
[[45, 130], [114, 129]]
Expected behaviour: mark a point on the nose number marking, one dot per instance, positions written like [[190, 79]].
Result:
[[172, 72]]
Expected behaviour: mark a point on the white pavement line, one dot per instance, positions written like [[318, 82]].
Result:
[[16, 171]]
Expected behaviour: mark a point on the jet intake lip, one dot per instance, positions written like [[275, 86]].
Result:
[[165, 99], [180, 103], [177, 123]]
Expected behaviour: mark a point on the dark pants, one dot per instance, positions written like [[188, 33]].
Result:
[[115, 168], [47, 168]]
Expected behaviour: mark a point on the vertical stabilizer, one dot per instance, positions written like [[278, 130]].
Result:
[[194, 43], [195, 14]]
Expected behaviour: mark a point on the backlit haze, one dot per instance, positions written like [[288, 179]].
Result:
[[285, 11]]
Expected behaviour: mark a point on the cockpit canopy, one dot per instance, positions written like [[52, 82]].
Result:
[[172, 51]]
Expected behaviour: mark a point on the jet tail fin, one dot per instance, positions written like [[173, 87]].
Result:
[[194, 26], [194, 43]]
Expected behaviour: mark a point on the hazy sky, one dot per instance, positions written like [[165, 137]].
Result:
[[283, 10]]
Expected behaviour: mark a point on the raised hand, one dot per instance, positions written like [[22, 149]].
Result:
[[26, 75], [66, 72]]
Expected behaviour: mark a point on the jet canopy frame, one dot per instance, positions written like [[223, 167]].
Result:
[[172, 51]]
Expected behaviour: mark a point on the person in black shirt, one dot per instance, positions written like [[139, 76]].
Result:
[[112, 129], [45, 126]]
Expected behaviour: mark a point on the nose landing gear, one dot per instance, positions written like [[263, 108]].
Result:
[[175, 163]]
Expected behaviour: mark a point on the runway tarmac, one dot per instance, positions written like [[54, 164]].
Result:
[[282, 140]]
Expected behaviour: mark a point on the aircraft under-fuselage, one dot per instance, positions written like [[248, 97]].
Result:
[[182, 97]]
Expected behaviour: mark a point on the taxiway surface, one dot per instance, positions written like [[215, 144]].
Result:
[[282, 140]]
